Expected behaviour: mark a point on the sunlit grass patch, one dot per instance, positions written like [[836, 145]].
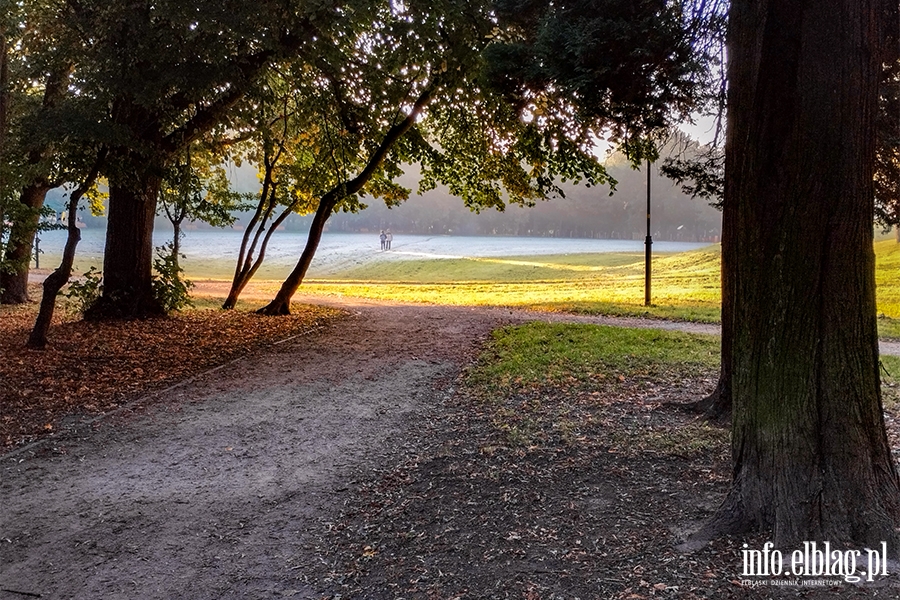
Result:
[[685, 286], [887, 280], [552, 354], [551, 385]]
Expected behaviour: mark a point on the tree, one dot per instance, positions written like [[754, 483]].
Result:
[[60, 276], [497, 135], [293, 140], [35, 78], [163, 73], [811, 456], [196, 188]]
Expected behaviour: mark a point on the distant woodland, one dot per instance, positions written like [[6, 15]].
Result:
[[585, 212]]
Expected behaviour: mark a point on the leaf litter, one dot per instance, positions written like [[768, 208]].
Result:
[[93, 368]]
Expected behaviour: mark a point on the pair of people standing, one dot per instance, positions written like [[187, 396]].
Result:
[[386, 239]]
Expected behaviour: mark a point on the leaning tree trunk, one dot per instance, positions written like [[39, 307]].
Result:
[[247, 265], [58, 278], [810, 454], [128, 256], [281, 304], [21, 240]]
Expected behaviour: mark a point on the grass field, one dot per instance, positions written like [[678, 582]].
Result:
[[685, 285]]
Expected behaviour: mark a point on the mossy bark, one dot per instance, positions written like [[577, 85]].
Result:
[[810, 453]]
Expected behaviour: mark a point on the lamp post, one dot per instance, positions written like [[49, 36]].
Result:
[[648, 242]]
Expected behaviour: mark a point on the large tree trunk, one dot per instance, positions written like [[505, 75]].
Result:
[[810, 453], [21, 240], [128, 257]]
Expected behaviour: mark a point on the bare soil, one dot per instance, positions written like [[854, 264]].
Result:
[[352, 462]]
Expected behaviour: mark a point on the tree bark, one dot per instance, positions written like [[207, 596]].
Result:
[[281, 304], [21, 239], [811, 457], [59, 277], [128, 257], [247, 266]]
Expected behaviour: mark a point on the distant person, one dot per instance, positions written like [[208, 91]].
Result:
[[383, 238], [389, 237]]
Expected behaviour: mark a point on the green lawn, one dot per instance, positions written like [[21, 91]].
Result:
[[685, 285]]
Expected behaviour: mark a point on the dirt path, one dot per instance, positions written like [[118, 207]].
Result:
[[219, 488], [215, 489]]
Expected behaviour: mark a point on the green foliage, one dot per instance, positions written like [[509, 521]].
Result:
[[196, 188], [170, 288], [629, 68], [83, 293]]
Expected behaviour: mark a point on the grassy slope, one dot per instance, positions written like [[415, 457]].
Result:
[[685, 285]]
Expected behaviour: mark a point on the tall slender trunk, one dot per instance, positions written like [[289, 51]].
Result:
[[176, 243], [4, 99], [247, 265], [810, 453], [250, 268], [281, 304]]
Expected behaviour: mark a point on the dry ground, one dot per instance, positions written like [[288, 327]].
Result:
[[353, 461]]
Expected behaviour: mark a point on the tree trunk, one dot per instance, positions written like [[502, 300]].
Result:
[[717, 405], [176, 243], [128, 257], [246, 266], [21, 240], [810, 453], [59, 277], [18, 251], [4, 100], [281, 304]]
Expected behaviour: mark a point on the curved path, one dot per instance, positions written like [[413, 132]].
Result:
[[220, 487]]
